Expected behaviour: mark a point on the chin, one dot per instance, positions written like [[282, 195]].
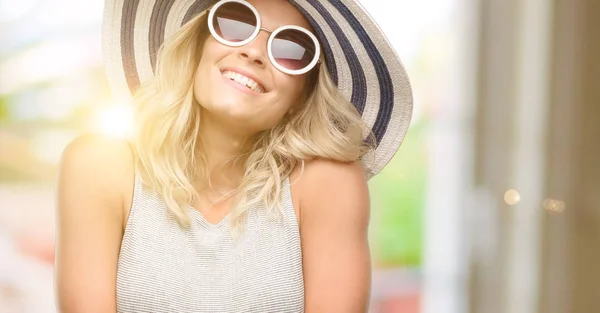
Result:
[[229, 111]]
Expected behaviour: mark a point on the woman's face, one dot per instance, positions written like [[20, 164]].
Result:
[[257, 109]]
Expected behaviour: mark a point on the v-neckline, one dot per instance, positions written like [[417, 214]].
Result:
[[285, 184], [206, 222]]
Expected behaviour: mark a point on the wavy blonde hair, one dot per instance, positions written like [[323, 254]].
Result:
[[166, 140]]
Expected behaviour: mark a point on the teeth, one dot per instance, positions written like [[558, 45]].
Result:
[[243, 80], [252, 85]]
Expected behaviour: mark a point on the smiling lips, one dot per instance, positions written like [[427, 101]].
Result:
[[243, 80]]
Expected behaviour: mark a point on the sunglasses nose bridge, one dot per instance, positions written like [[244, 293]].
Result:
[[268, 31]]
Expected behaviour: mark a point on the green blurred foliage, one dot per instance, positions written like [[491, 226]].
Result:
[[398, 197], [3, 109], [13, 175]]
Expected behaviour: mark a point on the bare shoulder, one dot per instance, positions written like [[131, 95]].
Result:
[[329, 189], [101, 163], [102, 149], [95, 177], [330, 170], [334, 219]]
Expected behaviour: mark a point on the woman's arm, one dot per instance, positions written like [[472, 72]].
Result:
[[94, 175], [334, 218]]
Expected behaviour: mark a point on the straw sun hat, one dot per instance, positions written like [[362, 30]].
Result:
[[359, 58]]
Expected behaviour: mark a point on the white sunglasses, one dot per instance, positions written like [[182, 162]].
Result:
[[292, 49]]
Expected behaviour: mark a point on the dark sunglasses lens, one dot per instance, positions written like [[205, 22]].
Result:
[[293, 49], [234, 22]]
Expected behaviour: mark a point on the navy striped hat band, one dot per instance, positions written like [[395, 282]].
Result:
[[359, 58]]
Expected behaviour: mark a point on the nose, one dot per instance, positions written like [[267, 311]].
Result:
[[255, 51]]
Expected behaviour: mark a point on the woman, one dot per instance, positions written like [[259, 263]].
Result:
[[244, 188]]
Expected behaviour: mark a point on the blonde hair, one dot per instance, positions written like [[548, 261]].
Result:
[[166, 140]]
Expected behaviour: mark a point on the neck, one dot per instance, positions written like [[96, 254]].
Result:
[[220, 144]]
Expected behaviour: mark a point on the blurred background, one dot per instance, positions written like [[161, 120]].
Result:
[[492, 204]]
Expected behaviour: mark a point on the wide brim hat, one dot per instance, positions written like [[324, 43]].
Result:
[[359, 58]]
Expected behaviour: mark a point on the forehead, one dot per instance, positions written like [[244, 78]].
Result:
[[276, 13]]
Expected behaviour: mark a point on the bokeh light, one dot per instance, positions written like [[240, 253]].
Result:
[[512, 197], [553, 205]]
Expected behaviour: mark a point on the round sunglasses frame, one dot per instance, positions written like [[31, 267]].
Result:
[[273, 34]]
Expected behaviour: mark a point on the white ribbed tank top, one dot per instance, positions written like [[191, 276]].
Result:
[[165, 268]]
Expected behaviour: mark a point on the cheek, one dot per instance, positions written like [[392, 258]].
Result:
[[291, 90], [202, 81], [200, 88]]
